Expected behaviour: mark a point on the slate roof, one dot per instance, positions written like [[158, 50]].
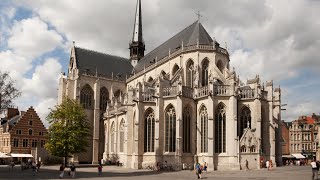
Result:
[[90, 62], [189, 36], [12, 122]]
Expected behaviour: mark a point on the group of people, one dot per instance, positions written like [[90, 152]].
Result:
[[35, 166], [72, 171], [200, 168], [298, 162]]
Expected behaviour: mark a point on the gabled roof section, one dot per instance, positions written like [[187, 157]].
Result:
[[96, 63], [189, 36]]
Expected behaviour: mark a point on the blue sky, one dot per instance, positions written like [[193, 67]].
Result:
[[270, 38]]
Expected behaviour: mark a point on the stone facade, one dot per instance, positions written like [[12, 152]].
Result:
[[303, 136], [183, 106]]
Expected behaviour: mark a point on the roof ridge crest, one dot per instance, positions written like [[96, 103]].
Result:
[[98, 52]]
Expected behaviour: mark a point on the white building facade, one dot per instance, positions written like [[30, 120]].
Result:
[[180, 103]]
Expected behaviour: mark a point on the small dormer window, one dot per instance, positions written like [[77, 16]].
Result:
[[30, 123]]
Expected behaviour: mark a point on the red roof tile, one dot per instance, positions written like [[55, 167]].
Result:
[[309, 120]]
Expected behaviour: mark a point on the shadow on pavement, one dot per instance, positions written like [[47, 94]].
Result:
[[81, 173]]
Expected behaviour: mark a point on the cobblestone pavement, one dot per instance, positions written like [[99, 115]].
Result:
[[91, 173]]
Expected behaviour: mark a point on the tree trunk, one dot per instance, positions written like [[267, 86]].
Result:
[[65, 160]]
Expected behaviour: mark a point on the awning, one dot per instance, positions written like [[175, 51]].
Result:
[[3, 155], [21, 155], [287, 156], [299, 156]]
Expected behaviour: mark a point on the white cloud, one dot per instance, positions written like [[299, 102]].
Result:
[[43, 109], [28, 40], [16, 65], [276, 39], [31, 38], [44, 81]]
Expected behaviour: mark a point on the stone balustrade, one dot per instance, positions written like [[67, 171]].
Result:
[[203, 91], [148, 96], [170, 91], [222, 90], [248, 94]]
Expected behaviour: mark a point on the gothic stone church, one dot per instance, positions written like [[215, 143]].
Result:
[[180, 103]]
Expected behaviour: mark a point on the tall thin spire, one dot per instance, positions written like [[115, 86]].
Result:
[[137, 30], [137, 46]]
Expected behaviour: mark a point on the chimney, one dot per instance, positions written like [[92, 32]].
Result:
[[12, 112], [22, 113]]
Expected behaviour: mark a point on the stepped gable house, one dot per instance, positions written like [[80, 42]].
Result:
[[179, 103], [22, 133]]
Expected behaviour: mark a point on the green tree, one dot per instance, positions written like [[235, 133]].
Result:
[[8, 92], [69, 129]]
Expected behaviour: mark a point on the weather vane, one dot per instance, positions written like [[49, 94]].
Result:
[[199, 15]]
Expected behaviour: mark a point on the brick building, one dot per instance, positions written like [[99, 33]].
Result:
[[303, 136], [285, 138], [22, 133]]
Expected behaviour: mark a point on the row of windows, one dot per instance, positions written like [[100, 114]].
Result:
[[252, 149], [86, 97], [296, 147], [301, 126], [86, 93], [5, 142], [30, 132], [170, 130], [27, 143], [297, 137]]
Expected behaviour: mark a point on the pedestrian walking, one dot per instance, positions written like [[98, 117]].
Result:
[[267, 164], [198, 170], [34, 168], [61, 171], [72, 171], [270, 165], [38, 165], [100, 169], [205, 166], [11, 165], [247, 164], [315, 169]]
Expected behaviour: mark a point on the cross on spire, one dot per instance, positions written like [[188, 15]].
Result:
[[199, 15]]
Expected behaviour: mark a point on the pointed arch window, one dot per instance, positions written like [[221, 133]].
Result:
[[149, 129], [186, 129], [204, 129], [170, 127], [243, 149], [175, 69], [190, 70], [220, 129], [204, 73], [150, 79], [112, 130], [118, 95], [104, 98], [220, 66], [253, 149], [121, 136], [86, 97], [245, 118]]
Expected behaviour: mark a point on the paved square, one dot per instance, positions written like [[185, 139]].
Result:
[[51, 172]]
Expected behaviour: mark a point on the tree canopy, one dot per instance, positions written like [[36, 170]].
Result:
[[8, 92], [68, 130]]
